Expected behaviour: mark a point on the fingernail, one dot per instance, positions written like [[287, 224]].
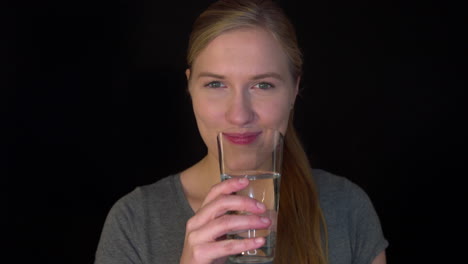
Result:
[[258, 240], [260, 205], [265, 220], [242, 180]]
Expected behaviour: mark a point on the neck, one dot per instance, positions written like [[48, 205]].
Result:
[[208, 171], [198, 179]]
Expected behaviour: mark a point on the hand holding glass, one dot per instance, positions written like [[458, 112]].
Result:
[[257, 156]]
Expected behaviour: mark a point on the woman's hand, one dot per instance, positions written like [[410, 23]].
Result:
[[202, 244]]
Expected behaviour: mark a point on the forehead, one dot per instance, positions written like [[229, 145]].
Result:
[[246, 50]]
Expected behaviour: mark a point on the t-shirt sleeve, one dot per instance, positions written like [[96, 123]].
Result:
[[118, 243], [367, 239]]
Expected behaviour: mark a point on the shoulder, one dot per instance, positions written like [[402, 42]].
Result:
[[337, 189], [141, 218], [353, 224], [134, 202], [342, 201], [131, 211], [160, 189]]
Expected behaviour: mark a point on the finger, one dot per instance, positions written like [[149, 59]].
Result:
[[223, 248], [220, 206], [225, 187], [230, 224]]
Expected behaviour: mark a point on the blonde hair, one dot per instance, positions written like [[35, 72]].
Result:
[[302, 236]]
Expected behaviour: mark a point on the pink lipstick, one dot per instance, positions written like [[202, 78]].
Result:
[[242, 138]]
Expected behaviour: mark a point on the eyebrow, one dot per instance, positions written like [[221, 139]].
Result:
[[256, 77], [268, 75], [209, 74]]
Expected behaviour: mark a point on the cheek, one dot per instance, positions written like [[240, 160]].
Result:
[[206, 113], [208, 117], [276, 114]]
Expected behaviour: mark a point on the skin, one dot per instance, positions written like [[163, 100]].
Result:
[[241, 80], [380, 259]]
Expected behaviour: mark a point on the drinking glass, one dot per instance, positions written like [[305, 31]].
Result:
[[255, 154]]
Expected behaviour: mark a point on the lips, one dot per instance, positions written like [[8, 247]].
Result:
[[242, 138]]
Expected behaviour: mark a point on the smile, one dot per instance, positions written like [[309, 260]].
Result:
[[242, 138]]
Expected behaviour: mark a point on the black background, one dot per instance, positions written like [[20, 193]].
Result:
[[96, 105]]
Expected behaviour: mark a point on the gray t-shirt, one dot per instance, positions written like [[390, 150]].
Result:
[[148, 225]]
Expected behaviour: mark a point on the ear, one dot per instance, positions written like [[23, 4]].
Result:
[[296, 89], [187, 73]]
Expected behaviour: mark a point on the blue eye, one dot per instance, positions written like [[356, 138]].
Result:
[[214, 84], [264, 86]]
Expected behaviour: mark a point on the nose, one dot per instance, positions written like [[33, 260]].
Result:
[[240, 111]]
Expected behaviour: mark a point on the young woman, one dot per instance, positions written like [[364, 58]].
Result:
[[244, 72]]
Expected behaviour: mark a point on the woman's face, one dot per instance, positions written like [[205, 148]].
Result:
[[241, 80]]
